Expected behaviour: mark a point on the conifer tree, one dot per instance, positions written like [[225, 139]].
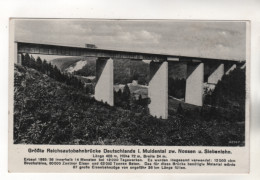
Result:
[[27, 60], [126, 93], [39, 64]]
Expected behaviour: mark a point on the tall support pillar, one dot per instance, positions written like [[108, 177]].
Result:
[[217, 74], [158, 89], [243, 66], [15, 53], [194, 84], [17, 57], [230, 68], [104, 90]]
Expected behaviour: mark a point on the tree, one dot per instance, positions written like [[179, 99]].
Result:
[[126, 93], [39, 64], [119, 93], [180, 109], [32, 62], [51, 71], [22, 59], [140, 97], [45, 67], [50, 68], [27, 59]]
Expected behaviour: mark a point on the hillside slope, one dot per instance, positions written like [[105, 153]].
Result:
[[64, 63], [49, 112]]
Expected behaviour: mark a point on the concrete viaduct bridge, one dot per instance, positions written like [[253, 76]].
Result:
[[158, 84]]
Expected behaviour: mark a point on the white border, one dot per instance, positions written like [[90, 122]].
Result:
[[134, 9]]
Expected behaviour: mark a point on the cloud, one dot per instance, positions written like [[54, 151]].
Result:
[[142, 36]]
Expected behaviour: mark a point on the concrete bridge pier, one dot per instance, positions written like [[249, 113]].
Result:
[[17, 56], [104, 90], [229, 68], [194, 83], [158, 89], [243, 66], [15, 51], [216, 74]]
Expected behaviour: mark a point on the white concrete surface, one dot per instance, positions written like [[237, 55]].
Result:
[[194, 84], [216, 75], [231, 69], [104, 87], [15, 53], [158, 90], [19, 58]]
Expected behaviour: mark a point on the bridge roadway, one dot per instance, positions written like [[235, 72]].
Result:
[[51, 49], [158, 84]]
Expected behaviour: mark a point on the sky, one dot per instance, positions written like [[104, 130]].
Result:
[[209, 39]]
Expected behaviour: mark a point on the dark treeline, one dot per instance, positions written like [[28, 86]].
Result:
[[50, 70], [126, 100], [122, 99], [87, 70], [228, 95], [176, 87], [230, 91]]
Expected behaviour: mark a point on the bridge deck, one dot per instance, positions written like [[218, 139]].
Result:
[[50, 49]]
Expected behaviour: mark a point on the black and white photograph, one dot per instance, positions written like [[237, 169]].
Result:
[[129, 82]]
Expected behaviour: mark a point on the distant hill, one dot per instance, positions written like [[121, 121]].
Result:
[[126, 68], [177, 70], [125, 71], [64, 63], [76, 65]]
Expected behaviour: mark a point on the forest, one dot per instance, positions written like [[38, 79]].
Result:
[[51, 107], [51, 71]]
